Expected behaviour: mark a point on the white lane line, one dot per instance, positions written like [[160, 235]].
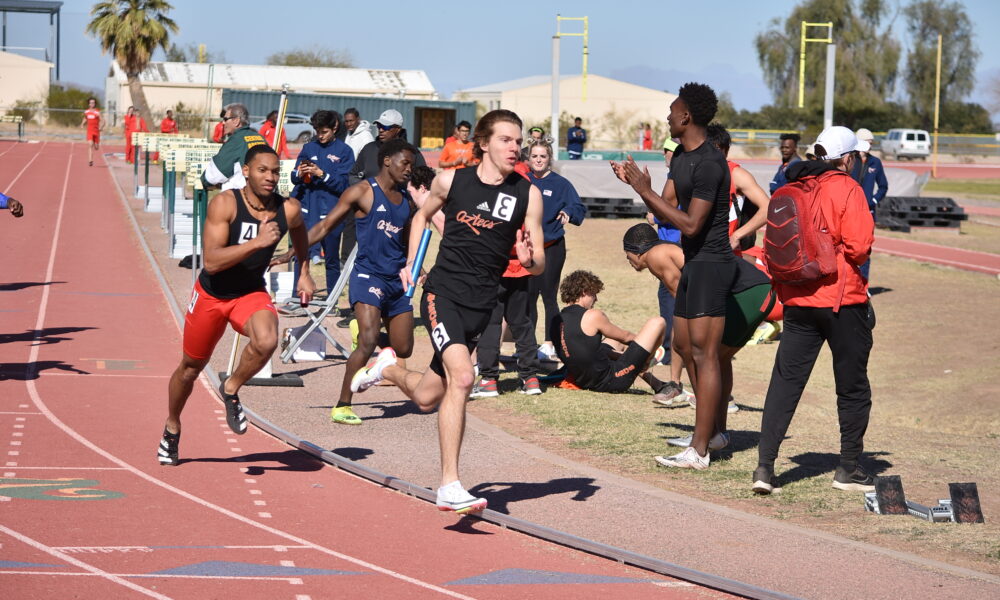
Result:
[[10, 186], [74, 468], [47, 374], [41, 406], [80, 564], [291, 580]]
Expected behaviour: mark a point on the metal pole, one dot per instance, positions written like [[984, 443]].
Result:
[[831, 63], [937, 107], [58, 35], [208, 101], [3, 39], [802, 66], [586, 52], [555, 93]]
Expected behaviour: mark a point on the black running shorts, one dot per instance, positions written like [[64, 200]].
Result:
[[448, 323], [624, 370], [703, 289]]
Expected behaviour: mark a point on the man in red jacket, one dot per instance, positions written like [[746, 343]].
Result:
[[835, 310]]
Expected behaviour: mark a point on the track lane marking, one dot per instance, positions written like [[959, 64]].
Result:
[[91, 569], [72, 433]]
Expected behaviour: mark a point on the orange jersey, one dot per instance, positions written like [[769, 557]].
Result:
[[267, 130], [456, 150], [168, 126], [93, 117]]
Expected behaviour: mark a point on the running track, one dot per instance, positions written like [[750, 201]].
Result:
[[86, 346]]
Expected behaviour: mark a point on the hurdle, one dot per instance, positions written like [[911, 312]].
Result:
[[19, 120]]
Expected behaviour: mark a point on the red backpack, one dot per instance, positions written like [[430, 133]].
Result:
[[798, 248]]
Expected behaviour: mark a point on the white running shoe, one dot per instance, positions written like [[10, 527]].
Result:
[[372, 374], [718, 441], [688, 459], [547, 351], [731, 408], [454, 498]]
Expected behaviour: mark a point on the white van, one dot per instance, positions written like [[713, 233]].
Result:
[[906, 143]]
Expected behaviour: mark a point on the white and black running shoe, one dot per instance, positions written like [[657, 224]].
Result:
[[167, 453], [234, 411], [762, 480], [855, 481]]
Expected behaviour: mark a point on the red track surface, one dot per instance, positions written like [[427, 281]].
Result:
[[968, 260], [87, 344]]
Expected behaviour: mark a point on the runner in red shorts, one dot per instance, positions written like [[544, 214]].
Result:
[[92, 119], [242, 229]]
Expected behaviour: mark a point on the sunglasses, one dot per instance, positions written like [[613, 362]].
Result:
[[382, 127], [230, 118]]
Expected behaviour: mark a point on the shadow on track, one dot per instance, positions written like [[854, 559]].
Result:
[[31, 371], [48, 335], [582, 487], [20, 285], [292, 460], [353, 453]]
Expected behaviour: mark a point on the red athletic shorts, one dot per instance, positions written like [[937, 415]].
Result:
[[206, 318], [94, 136]]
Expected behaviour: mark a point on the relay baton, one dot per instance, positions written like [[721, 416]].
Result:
[[418, 262]]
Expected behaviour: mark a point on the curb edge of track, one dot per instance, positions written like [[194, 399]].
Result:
[[621, 555]]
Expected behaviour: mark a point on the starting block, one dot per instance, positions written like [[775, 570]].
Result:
[[962, 507]]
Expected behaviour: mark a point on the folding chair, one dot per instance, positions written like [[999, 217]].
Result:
[[325, 308]]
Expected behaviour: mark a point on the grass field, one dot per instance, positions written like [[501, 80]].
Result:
[[935, 419], [979, 188]]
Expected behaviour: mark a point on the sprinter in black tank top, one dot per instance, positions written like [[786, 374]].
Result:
[[485, 208], [700, 182], [242, 229]]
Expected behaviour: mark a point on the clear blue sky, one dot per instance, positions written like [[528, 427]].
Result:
[[659, 44]]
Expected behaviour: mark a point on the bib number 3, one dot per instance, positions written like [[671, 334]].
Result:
[[440, 336]]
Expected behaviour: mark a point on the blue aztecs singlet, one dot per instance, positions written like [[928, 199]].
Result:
[[381, 247]]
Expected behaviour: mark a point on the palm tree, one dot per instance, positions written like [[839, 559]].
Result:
[[130, 30]]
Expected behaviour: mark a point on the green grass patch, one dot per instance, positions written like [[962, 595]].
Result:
[[976, 187]]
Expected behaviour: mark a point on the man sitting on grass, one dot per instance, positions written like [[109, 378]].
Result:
[[578, 333]]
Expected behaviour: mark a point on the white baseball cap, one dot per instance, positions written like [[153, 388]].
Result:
[[865, 134], [390, 118], [838, 141]]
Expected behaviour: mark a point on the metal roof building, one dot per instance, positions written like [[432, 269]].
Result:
[[199, 86]]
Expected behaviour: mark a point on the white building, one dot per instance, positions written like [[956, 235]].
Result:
[[612, 111], [23, 78], [167, 83]]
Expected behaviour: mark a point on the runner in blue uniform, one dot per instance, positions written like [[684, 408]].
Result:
[[382, 209]]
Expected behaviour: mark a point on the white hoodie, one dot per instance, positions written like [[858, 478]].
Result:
[[361, 137]]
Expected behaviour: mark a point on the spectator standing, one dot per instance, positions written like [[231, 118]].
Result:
[[647, 137], [835, 310], [133, 123], [667, 232], [219, 133], [576, 137], [560, 205], [359, 132], [92, 121], [457, 154], [321, 176], [869, 172], [268, 129], [535, 135], [169, 126], [789, 156], [226, 168]]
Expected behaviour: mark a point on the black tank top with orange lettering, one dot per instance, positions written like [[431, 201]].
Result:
[[585, 356], [481, 222], [247, 275]]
